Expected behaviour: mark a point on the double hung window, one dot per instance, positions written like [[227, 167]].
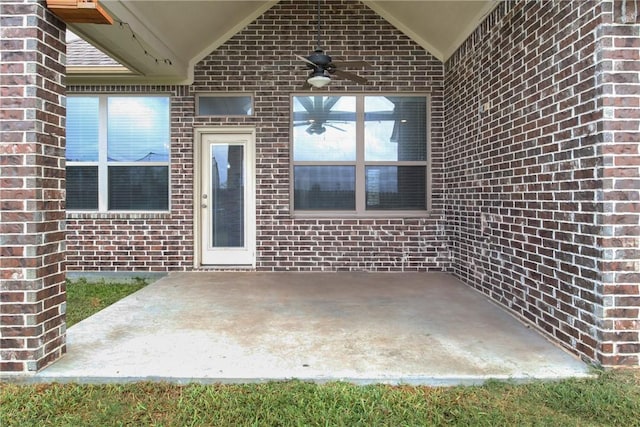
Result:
[[118, 153], [360, 154]]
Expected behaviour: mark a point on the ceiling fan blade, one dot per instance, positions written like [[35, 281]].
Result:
[[335, 127], [302, 58], [329, 102], [306, 102], [350, 76], [354, 64], [305, 86]]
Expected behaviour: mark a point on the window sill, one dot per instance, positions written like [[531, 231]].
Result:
[[118, 215], [367, 215]]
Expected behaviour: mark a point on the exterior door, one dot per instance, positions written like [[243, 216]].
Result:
[[227, 199]]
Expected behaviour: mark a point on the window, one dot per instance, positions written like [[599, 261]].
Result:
[[360, 154], [224, 105], [118, 153]]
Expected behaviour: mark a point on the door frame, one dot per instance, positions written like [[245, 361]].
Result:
[[198, 217]]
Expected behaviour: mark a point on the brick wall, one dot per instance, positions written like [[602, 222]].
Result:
[[32, 271], [619, 67], [260, 60], [531, 149]]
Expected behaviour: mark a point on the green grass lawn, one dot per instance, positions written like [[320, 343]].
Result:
[[609, 399], [85, 298]]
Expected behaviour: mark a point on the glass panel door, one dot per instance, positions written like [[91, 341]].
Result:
[[227, 199]]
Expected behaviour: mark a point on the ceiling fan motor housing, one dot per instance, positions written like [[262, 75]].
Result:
[[319, 58]]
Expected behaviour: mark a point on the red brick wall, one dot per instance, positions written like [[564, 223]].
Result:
[[619, 68], [531, 149], [32, 270], [260, 60]]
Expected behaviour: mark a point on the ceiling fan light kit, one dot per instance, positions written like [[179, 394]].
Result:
[[319, 81]]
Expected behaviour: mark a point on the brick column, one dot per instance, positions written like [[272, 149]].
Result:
[[32, 212], [619, 85]]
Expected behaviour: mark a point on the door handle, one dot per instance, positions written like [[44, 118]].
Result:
[[204, 206]]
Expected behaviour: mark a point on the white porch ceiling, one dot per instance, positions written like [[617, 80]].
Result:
[[161, 41]]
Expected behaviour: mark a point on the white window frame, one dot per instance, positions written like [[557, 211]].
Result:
[[103, 163], [360, 163]]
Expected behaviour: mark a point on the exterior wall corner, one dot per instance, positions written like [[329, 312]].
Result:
[[619, 170], [32, 233]]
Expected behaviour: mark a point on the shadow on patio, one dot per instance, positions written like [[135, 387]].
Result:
[[416, 328]]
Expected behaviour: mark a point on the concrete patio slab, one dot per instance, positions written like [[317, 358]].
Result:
[[415, 328]]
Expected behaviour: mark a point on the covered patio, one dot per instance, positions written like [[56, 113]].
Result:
[[530, 193], [415, 328]]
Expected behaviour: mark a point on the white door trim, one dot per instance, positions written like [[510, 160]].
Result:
[[200, 135]]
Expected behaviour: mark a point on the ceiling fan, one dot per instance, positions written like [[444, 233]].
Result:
[[322, 66], [318, 128], [319, 115]]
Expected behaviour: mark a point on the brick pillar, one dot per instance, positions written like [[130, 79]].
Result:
[[32, 212], [619, 85]]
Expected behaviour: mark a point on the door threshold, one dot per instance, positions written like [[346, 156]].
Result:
[[226, 268]]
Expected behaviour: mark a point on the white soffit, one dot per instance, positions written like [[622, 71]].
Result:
[[160, 41], [439, 26]]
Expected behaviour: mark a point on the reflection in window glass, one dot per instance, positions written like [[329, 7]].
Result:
[[139, 188], [360, 153], [395, 128], [324, 128], [395, 187], [227, 196], [106, 130], [82, 187], [82, 129], [138, 129], [214, 105], [324, 187]]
